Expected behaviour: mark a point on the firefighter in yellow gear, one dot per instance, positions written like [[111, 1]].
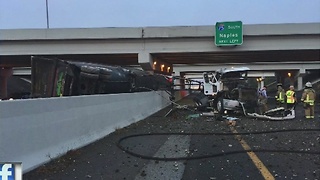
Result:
[[291, 98], [280, 96], [308, 98]]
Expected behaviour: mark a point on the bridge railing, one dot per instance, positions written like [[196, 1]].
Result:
[[33, 131]]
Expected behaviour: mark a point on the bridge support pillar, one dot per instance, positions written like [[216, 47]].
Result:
[[5, 73], [300, 79], [261, 82], [146, 61], [300, 85], [152, 64]]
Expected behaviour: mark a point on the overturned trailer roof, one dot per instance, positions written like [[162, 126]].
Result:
[[239, 69], [228, 74]]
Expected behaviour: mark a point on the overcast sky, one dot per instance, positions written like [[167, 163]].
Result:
[[16, 14]]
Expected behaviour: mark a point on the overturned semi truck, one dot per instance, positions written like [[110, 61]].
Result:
[[53, 77]]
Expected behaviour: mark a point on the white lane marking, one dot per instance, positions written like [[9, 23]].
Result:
[[175, 146]]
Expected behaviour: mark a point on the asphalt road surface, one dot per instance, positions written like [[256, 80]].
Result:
[[186, 146]]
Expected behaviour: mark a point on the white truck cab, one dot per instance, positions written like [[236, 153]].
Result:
[[227, 89]]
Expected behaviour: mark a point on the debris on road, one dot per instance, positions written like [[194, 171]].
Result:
[[275, 114], [191, 116]]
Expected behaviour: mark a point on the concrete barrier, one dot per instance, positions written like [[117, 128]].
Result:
[[34, 131]]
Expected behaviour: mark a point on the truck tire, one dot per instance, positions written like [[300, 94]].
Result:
[[220, 107]]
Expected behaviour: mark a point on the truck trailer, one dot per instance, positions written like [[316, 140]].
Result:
[[53, 77]]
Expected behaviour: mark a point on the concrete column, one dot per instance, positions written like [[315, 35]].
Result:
[[262, 82], [5, 73], [146, 61], [177, 80], [300, 85]]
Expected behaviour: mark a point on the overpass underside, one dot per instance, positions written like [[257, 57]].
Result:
[[188, 58]]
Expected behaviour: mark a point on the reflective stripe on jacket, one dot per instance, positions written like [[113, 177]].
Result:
[[309, 101], [290, 96], [308, 96], [280, 98]]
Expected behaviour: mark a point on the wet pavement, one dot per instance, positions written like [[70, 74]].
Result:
[[187, 146]]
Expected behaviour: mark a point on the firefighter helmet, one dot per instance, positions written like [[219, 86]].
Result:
[[291, 87], [279, 84], [308, 84]]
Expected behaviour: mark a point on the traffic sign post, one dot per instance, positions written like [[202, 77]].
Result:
[[229, 33]]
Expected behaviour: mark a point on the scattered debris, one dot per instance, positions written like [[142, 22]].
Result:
[[211, 113], [275, 114], [193, 116], [231, 120]]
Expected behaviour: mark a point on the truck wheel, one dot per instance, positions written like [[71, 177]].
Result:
[[220, 107]]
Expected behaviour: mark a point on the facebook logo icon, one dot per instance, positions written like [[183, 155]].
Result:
[[6, 172], [10, 171]]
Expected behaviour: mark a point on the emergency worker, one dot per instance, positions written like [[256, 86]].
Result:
[[263, 100], [291, 98], [280, 96], [308, 97]]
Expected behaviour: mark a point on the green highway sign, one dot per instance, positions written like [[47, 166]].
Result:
[[229, 33]]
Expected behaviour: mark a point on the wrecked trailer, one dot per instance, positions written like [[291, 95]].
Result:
[[56, 77]]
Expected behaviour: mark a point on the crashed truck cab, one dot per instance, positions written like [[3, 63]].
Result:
[[227, 90]]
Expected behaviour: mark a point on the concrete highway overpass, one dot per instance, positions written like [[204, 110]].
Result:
[[183, 49], [173, 45]]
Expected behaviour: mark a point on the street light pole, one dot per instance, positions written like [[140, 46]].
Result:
[[47, 10]]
